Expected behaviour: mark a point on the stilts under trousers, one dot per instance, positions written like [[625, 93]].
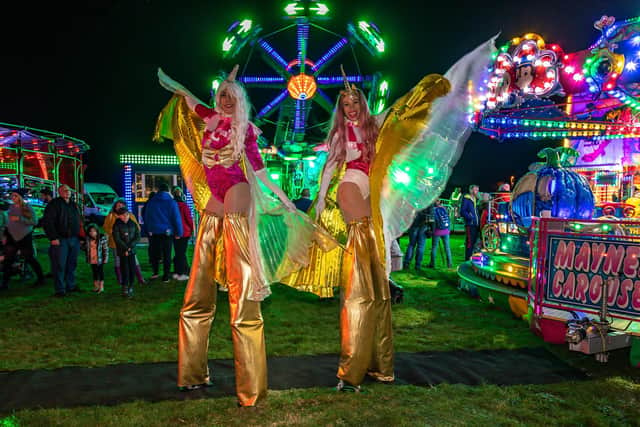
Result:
[[365, 310], [222, 251]]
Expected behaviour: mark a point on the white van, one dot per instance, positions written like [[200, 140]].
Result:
[[98, 200]]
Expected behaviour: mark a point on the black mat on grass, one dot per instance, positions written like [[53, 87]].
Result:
[[110, 385]]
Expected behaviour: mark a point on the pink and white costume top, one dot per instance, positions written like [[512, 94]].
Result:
[[221, 168], [357, 170], [357, 167]]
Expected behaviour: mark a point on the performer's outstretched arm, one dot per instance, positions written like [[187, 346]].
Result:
[[173, 86]]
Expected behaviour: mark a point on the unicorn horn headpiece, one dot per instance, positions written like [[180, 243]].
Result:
[[350, 90], [231, 77]]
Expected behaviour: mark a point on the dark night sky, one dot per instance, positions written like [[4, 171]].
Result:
[[89, 70]]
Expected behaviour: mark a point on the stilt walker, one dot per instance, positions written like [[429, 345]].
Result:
[[381, 170], [221, 163]]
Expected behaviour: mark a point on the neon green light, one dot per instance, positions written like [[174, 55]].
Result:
[[149, 159], [430, 171], [320, 9], [215, 84], [275, 176], [372, 38], [245, 26], [227, 44], [401, 177], [292, 9], [384, 87]]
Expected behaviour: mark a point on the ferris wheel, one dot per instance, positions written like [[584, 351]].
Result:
[[302, 74]]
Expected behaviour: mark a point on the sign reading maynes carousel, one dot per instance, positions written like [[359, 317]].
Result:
[[577, 268]]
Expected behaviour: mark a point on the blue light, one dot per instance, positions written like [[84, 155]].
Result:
[[303, 36], [128, 186], [272, 52], [333, 51], [298, 123], [271, 105], [332, 80], [259, 79]]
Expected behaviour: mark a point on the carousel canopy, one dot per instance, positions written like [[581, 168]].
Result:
[[15, 136]]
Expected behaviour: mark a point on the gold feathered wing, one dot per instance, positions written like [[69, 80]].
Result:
[[178, 123], [280, 240]]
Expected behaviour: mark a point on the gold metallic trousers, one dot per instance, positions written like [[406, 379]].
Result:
[[365, 311], [226, 239]]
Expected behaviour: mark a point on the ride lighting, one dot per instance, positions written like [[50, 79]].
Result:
[[149, 159], [302, 86]]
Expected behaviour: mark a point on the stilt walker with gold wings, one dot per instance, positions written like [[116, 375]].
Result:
[[380, 171], [246, 240]]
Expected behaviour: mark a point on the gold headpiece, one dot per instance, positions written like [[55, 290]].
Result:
[[350, 90], [231, 77]]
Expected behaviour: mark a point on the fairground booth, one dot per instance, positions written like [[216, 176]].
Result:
[[563, 252], [141, 175]]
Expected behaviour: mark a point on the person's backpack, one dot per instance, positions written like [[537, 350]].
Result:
[[441, 218]]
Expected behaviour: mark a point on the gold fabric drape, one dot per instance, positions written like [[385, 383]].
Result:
[[365, 311], [222, 254], [249, 351], [199, 305]]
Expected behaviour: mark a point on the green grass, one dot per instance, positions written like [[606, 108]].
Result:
[[39, 331]]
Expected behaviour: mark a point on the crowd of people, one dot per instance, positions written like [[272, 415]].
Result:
[[169, 226], [168, 220]]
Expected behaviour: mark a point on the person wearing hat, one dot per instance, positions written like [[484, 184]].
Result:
[[19, 238], [126, 234]]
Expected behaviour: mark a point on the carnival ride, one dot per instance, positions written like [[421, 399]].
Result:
[[300, 82], [542, 254], [34, 159]]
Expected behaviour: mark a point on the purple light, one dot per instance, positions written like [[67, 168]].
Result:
[[333, 51], [303, 36], [332, 80], [298, 123], [271, 105], [272, 53], [128, 186], [260, 79]]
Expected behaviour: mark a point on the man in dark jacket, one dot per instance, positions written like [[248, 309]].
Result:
[[304, 202], [163, 222], [469, 211], [417, 239], [61, 222]]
